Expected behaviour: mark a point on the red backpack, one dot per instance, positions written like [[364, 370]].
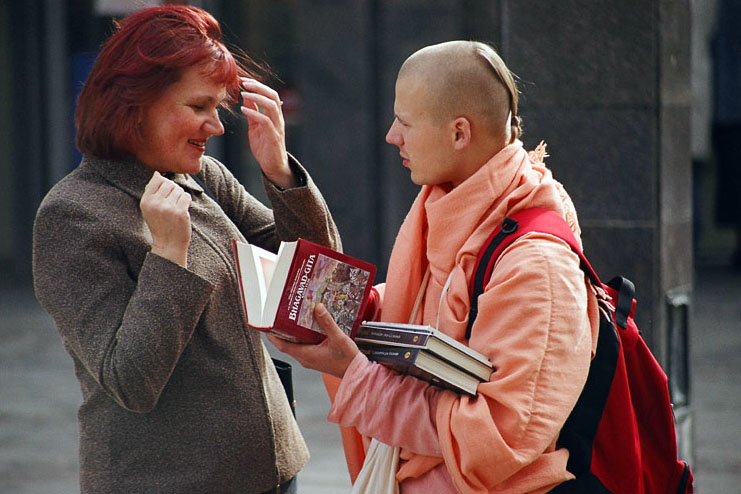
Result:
[[620, 435]]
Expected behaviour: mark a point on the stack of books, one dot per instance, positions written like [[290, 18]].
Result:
[[424, 352]]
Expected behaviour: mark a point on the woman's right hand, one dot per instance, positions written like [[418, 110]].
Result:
[[164, 206]]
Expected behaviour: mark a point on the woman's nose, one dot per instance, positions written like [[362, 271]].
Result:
[[214, 125]]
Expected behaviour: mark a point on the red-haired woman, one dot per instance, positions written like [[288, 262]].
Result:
[[132, 259]]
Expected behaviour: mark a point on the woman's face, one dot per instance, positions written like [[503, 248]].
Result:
[[176, 126]]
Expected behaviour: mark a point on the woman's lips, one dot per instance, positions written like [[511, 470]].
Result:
[[199, 144]]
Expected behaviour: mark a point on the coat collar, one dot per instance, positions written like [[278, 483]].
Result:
[[132, 176]]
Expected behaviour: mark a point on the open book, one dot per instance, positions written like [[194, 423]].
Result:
[[279, 291]]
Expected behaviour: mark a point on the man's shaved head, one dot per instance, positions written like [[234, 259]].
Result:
[[468, 79]]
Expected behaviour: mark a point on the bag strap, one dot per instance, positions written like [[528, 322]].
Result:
[[420, 295], [625, 290], [513, 227]]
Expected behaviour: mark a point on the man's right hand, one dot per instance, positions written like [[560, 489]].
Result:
[[331, 356]]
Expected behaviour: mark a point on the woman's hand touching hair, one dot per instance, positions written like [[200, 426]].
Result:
[[262, 107]]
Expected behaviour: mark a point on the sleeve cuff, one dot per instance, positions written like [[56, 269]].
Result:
[[345, 390], [298, 172]]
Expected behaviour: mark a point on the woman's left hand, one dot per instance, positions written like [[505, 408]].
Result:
[[331, 356], [262, 107]]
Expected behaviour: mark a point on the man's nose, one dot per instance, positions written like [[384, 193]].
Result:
[[392, 136]]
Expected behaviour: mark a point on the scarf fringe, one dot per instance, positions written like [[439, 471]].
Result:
[[538, 155]]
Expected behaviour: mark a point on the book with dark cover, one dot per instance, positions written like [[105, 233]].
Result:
[[279, 291], [428, 339], [423, 365]]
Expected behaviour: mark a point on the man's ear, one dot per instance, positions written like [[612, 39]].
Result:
[[508, 130], [461, 133]]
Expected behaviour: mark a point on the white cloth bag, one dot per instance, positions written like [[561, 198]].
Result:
[[378, 475]]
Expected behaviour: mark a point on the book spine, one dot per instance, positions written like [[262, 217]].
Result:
[[402, 360], [296, 287], [436, 339], [391, 337], [391, 355]]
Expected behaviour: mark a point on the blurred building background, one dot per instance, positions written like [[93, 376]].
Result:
[[620, 91]]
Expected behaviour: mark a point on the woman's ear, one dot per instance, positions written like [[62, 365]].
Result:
[[461, 133]]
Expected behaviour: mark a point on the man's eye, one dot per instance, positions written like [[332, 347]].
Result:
[[198, 107]]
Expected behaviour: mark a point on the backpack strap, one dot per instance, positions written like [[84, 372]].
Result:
[[626, 291], [513, 227]]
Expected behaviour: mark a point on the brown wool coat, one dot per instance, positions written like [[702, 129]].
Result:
[[178, 396]]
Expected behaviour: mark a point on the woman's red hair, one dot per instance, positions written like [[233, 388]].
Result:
[[145, 55]]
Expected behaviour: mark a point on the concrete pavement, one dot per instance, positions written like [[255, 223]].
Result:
[[39, 397]]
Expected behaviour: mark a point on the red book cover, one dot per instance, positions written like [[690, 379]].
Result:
[[279, 291]]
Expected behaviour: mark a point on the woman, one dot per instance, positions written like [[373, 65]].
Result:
[[132, 259]]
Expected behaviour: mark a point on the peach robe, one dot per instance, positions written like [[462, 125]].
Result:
[[537, 323]]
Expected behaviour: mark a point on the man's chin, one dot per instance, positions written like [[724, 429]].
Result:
[[416, 179]]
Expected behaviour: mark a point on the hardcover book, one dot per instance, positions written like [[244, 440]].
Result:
[[423, 365], [279, 291], [427, 339]]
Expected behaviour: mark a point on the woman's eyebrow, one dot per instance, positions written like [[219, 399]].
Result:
[[210, 100]]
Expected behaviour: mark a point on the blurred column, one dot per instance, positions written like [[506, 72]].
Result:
[[607, 85], [337, 82], [59, 126], [27, 158], [7, 190]]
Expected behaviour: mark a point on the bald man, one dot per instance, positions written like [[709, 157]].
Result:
[[457, 130]]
